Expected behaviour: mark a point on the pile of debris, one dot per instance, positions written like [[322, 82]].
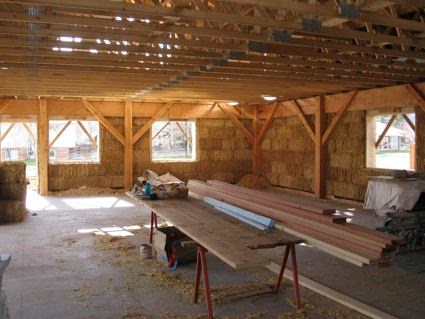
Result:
[[152, 186]]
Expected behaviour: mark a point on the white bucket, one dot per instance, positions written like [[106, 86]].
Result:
[[146, 251]]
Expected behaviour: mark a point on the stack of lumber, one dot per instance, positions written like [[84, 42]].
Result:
[[321, 227]]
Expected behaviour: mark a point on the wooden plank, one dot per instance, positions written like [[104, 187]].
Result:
[[338, 116], [303, 120], [334, 295], [164, 108], [93, 110], [273, 197], [4, 105], [128, 145], [268, 122], [256, 146], [43, 148], [59, 134], [4, 135], [262, 206], [237, 123], [319, 152], [216, 232], [381, 137], [91, 139]]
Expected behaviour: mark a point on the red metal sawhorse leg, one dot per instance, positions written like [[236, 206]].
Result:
[[290, 248], [201, 267], [154, 225]]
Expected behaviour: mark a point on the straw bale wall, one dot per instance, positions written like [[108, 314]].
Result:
[[222, 153], [288, 155]]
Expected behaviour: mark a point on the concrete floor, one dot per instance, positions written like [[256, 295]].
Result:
[[59, 271]]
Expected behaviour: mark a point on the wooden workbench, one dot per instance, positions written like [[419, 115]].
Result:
[[231, 240]]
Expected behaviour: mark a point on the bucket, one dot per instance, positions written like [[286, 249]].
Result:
[[146, 251]]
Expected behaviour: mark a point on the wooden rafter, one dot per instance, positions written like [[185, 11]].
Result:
[[87, 133], [163, 109], [413, 90], [384, 132], [30, 133], [338, 116], [187, 138], [159, 132], [3, 105], [59, 133], [303, 120], [409, 122], [265, 127], [92, 109], [11, 126], [237, 123]]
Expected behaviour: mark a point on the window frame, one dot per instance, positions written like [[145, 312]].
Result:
[[194, 143], [54, 161], [371, 136]]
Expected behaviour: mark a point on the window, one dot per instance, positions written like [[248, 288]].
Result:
[[391, 140], [73, 141], [174, 141]]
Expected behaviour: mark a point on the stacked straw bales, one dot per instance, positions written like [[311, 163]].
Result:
[[13, 192], [222, 153], [288, 155]]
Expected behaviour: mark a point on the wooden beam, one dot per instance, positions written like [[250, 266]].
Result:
[[256, 146], [381, 137], [30, 133], [3, 105], [91, 139], [417, 95], [128, 145], [187, 138], [59, 134], [409, 122], [320, 154], [237, 123], [159, 132], [267, 124], [337, 117], [164, 108], [7, 131], [92, 109], [303, 119], [43, 148]]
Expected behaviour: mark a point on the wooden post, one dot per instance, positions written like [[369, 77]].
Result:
[[128, 145], [320, 156], [43, 148], [256, 146]]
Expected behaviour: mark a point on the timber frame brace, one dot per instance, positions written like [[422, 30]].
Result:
[[258, 134]]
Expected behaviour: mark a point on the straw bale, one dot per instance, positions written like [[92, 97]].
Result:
[[12, 172], [12, 211], [254, 182], [13, 191]]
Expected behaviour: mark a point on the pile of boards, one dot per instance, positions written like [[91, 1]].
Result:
[[321, 227]]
